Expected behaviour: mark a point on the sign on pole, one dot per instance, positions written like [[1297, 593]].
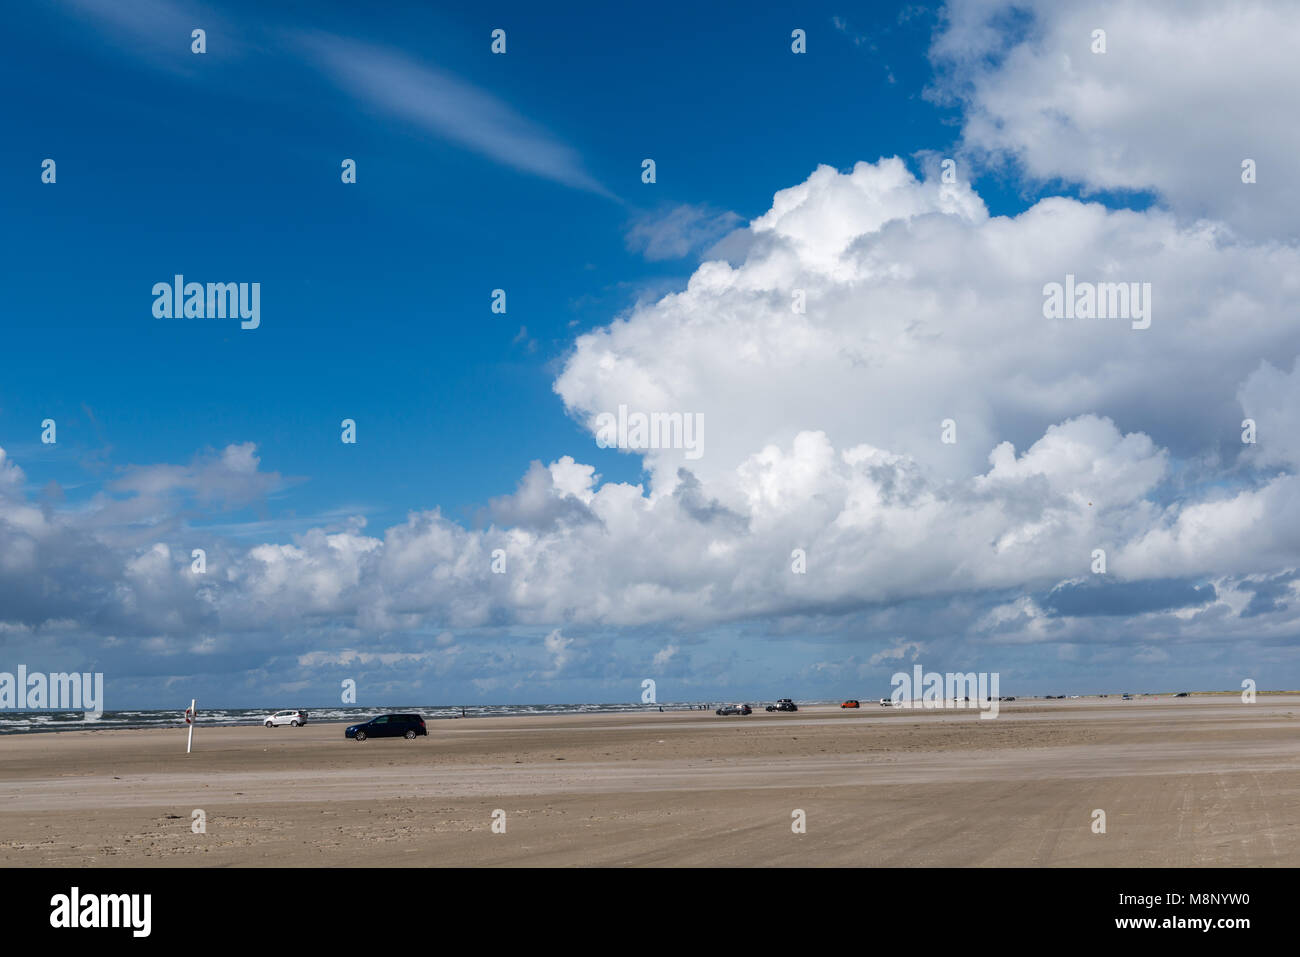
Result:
[[190, 715]]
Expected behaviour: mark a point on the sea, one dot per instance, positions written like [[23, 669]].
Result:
[[28, 722]]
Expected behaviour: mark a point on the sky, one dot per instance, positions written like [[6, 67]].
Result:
[[839, 269]]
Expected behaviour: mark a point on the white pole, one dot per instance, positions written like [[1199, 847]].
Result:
[[192, 716]]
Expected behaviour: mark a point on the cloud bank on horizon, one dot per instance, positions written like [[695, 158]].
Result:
[[881, 392]]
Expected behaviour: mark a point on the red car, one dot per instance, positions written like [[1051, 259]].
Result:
[[851, 703]]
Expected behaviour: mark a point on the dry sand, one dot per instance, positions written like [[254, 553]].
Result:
[[1192, 781]]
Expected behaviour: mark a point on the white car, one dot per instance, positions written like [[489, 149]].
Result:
[[291, 718]]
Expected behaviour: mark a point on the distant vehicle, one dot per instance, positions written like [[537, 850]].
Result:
[[1007, 698], [1128, 697], [1181, 694], [389, 726], [886, 702], [785, 704], [292, 718], [735, 709], [851, 703]]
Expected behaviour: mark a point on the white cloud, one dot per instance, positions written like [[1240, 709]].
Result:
[[1272, 398], [557, 646], [230, 478], [898, 653], [159, 29], [921, 307], [824, 435], [664, 655], [1185, 91], [439, 103], [675, 232]]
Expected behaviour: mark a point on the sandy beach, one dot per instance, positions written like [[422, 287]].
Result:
[[1197, 781]]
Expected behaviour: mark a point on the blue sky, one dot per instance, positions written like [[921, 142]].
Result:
[[523, 172], [228, 165]]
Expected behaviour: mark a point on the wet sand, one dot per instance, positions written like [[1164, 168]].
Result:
[[1205, 780]]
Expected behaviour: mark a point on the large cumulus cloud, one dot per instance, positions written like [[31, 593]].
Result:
[[920, 307], [824, 434]]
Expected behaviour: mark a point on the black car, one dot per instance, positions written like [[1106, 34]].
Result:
[[1181, 694], [389, 726], [785, 704]]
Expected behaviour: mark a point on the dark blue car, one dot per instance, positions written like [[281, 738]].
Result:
[[389, 726]]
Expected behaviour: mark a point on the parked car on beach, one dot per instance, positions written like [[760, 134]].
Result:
[[851, 703], [735, 709], [294, 719], [388, 726], [785, 704]]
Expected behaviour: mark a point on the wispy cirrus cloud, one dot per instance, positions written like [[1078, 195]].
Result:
[[448, 107], [157, 31], [674, 232], [389, 80], [159, 19]]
